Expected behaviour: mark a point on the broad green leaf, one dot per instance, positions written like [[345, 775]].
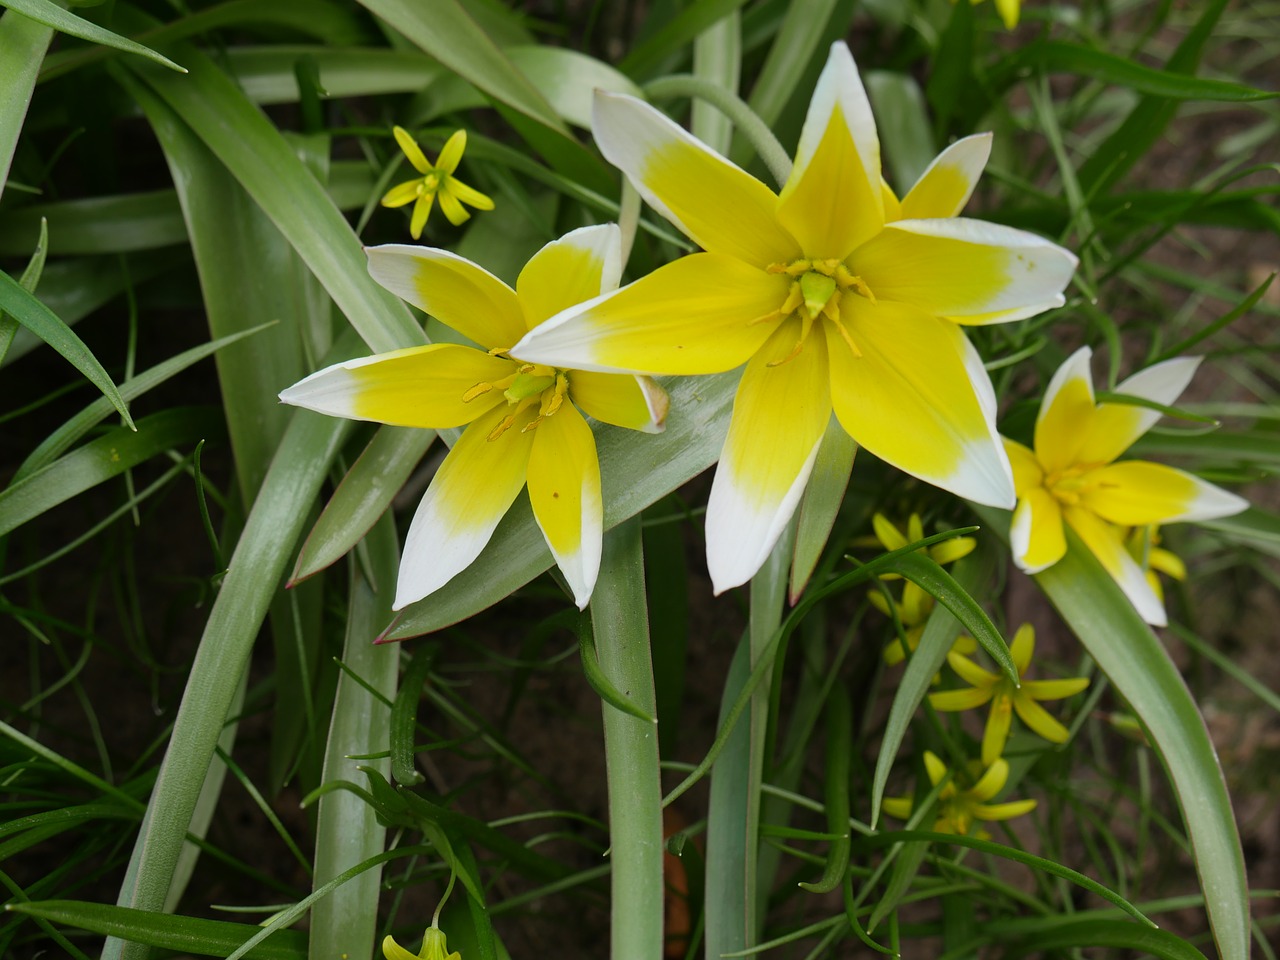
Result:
[[903, 124], [447, 32], [252, 579], [104, 224], [820, 503], [568, 79], [363, 496], [1139, 667], [66, 435], [635, 471], [64, 21], [206, 938], [269, 170], [23, 42], [674, 35], [104, 458], [40, 320], [266, 73]]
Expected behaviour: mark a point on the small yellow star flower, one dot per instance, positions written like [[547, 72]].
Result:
[[1143, 544], [1071, 477], [524, 421], [437, 180], [834, 295], [1006, 698], [957, 810], [948, 551], [434, 947]]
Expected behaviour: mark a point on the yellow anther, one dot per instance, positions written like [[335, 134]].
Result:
[[806, 324], [844, 333], [503, 426], [479, 390]]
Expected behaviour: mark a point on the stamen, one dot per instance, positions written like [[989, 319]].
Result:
[[552, 400], [806, 324], [479, 390], [509, 420], [844, 333]]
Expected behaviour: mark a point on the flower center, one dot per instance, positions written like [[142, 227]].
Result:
[[431, 182], [817, 287], [532, 383], [1069, 484]]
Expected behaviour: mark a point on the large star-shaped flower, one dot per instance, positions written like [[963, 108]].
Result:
[[833, 293], [523, 418], [1071, 476]]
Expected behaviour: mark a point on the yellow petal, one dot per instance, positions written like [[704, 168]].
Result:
[[621, 399], [469, 494], [564, 490], [402, 193], [457, 292], [719, 206], [1009, 10], [690, 316], [919, 399], [935, 768], [996, 733], [892, 207], [1116, 426], [451, 154], [965, 644], [970, 672], [832, 201], [414, 387], [411, 149], [1039, 719], [1027, 473], [579, 266], [897, 807], [992, 781], [966, 699], [1023, 647], [1054, 689], [959, 267], [393, 951], [949, 551], [890, 537], [469, 195], [1066, 415], [1137, 492], [1106, 543], [1035, 534], [1003, 811], [453, 209], [421, 211], [944, 188], [779, 416], [1167, 562]]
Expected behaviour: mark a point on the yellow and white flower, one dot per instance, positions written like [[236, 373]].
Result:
[[437, 180], [1072, 476], [523, 419], [833, 293]]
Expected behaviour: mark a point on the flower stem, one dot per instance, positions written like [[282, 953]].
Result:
[[620, 621], [735, 108]]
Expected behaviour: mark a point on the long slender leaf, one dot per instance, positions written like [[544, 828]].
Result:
[[40, 320], [1139, 667], [64, 21], [102, 459], [23, 42]]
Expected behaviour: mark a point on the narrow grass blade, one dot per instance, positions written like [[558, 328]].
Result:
[[645, 57], [717, 58], [364, 495], [23, 43], [839, 750], [100, 460], [205, 938], [1104, 933], [40, 320], [793, 49], [28, 281], [1139, 667], [820, 503], [64, 21]]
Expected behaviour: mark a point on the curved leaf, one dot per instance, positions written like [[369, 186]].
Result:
[[64, 21]]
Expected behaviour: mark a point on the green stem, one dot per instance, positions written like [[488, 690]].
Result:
[[344, 924], [620, 621], [735, 108]]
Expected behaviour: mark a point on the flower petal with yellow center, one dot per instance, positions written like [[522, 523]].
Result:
[[621, 399], [457, 292], [1116, 426], [1138, 492], [564, 490], [718, 205], [779, 415], [909, 399], [473, 489], [1107, 544], [576, 268], [945, 187], [415, 387]]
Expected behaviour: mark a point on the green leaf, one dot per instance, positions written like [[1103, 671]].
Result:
[[568, 79], [820, 503], [599, 682], [364, 495], [40, 320], [793, 49], [29, 280], [634, 472], [104, 458], [269, 170], [645, 57], [1254, 528], [104, 224], [1103, 933], [1139, 667], [52, 15], [902, 122], [22, 47], [207, 938]]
